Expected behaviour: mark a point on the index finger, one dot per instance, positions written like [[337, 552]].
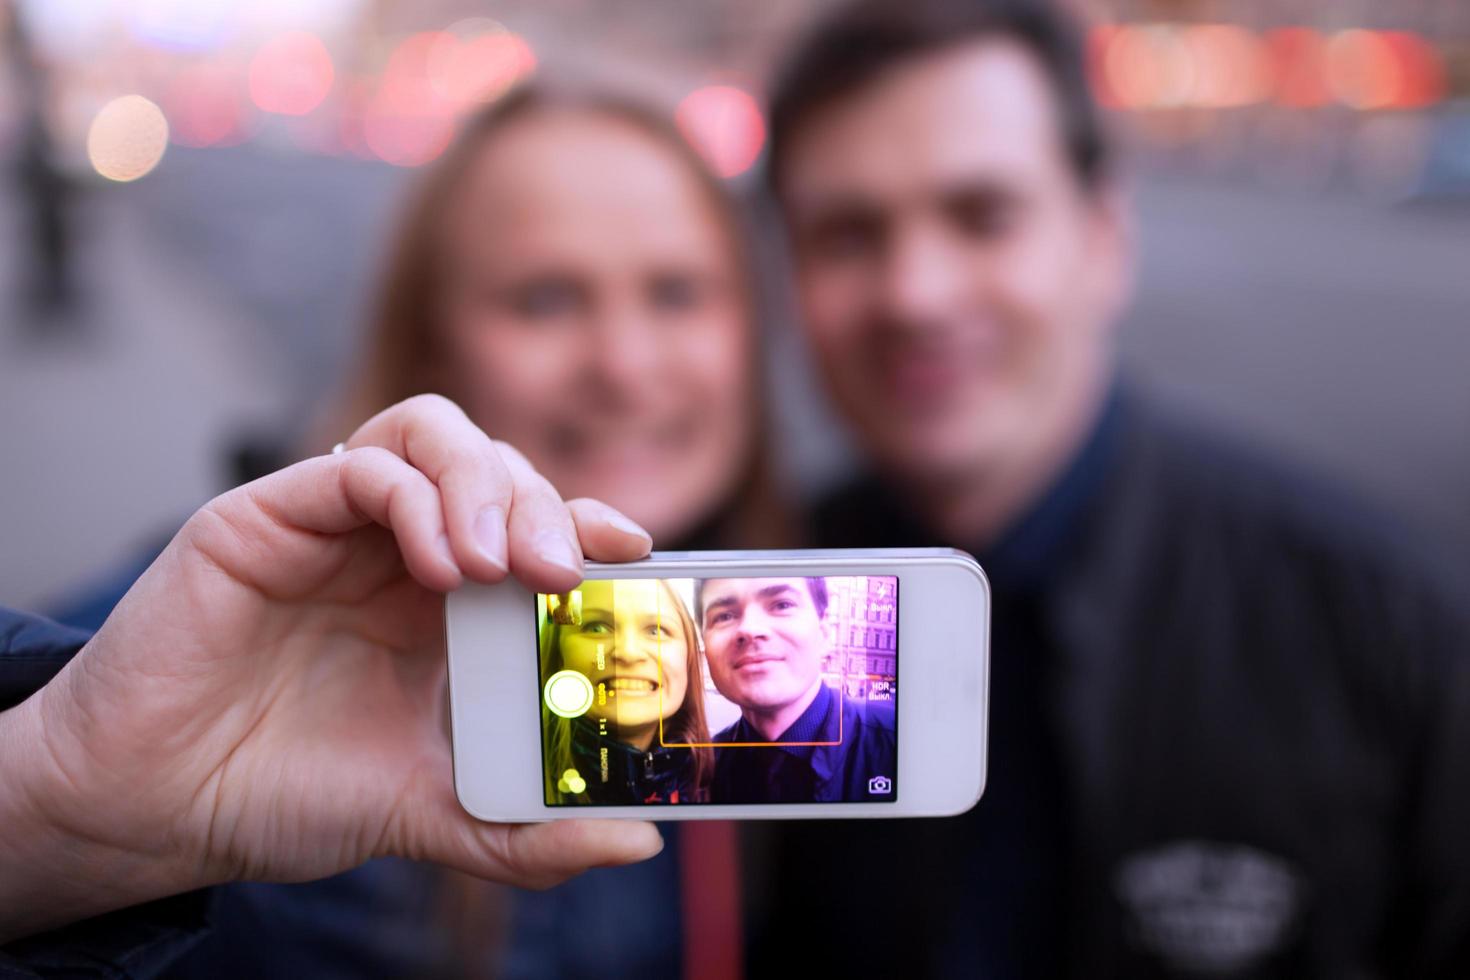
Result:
[[476, 488]]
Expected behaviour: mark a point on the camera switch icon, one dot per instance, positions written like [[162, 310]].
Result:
[[880, 786]]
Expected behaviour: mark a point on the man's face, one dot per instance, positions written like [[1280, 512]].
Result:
[[957, 280], [764, 640]]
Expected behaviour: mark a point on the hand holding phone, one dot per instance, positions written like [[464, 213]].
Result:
[[267, 702]]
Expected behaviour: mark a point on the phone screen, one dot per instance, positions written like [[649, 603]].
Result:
[[720, 690]]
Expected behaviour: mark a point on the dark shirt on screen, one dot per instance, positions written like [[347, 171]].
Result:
[[797, 768]]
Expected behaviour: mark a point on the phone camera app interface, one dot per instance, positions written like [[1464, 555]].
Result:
[[720, 690]]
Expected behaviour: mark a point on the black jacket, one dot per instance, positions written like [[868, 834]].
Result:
[[856, 745], [1259, 696], [656, 775]]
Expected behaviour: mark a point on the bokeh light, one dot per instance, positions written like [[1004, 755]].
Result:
[[1099, 39], [478, 61], [1363, 70], [1230, 66], [408, 122], [127, 138], [1148, 66], [291, 74], [1298, 57], [206, 106], [724, 124], [1423, 69]]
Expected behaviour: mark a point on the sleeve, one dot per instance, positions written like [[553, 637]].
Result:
[[131, 943], [32, 651], [136, 944], [1434, 911]]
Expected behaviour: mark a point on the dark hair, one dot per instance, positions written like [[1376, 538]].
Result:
[[815, 584], [859, 41]]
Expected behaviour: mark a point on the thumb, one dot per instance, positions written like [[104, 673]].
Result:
[[536, 855], [548, 853]]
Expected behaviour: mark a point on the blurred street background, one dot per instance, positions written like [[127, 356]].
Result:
[[195, 193]]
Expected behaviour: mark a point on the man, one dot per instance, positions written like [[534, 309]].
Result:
[[1228, 712], [266, 702], [796, 740]]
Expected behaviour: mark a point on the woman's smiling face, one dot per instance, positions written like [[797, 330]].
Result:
[[595, 318], [632, 645]]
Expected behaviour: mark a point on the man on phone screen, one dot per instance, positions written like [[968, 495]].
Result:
[[797, 740]]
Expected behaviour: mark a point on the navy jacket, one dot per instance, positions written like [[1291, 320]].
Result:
[[1230, 720], [137, 942]]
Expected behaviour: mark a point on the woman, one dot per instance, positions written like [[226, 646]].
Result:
[[574, 277], [645, 739]]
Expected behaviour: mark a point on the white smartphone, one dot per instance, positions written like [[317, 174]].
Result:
[[726, 685]]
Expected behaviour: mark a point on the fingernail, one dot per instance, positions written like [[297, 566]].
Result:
[[490, 535], [652, 841], [625, 523], [554, 549]]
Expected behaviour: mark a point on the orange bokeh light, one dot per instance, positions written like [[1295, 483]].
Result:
[[1363, 70], [1221, 66], [1230, 66], [725, 125], [1148, 66], [291, 74]]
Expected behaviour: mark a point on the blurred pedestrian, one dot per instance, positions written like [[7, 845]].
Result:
[[45, 192]]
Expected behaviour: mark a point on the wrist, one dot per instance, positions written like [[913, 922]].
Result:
[[53, 869]]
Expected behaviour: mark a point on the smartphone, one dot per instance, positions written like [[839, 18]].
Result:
[[725, 685]]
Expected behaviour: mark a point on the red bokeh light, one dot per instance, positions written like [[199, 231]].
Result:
[[205, 105], [409, 121], [1298, 60], [1423, 70], [1099, 39], [1363, 70], [291, 74], [724, 124]]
